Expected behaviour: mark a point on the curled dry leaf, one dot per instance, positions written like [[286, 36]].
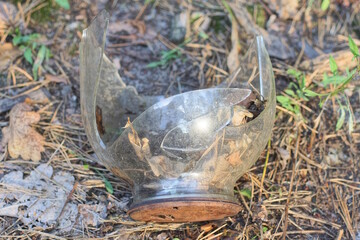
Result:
[[134, 140], [21, 138], [240, 114], [145, 148]]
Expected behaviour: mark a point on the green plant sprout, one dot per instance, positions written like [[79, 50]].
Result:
[[353, 47], [29, 45], [63, 3], [325, 4], [108, 186], [244, 192], [294, 93], [339, 83], [167, 56]]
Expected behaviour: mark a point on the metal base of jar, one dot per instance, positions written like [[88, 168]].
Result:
[[183, 210]]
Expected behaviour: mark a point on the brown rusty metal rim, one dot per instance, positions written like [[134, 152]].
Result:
[[183, 210]]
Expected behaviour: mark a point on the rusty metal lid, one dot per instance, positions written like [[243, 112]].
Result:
[[184, 210]]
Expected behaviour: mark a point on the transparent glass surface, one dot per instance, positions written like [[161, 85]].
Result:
[[185, 146]]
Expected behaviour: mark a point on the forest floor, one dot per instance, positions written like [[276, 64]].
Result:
[[311, 184]]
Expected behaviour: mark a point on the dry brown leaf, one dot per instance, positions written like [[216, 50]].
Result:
[[7, 54], [135, 141], [145, 148], [240, 114], [21, 138], [233, 57], [133, 136]]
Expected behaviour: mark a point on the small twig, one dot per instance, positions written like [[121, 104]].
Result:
[[299, 232], [66, 202], [300, 54], [211, 233], [303, 216], [233, 76], [142, 10], [340, 234], [244, 201]]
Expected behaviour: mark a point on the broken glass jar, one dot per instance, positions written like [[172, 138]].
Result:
[[182, 154]]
